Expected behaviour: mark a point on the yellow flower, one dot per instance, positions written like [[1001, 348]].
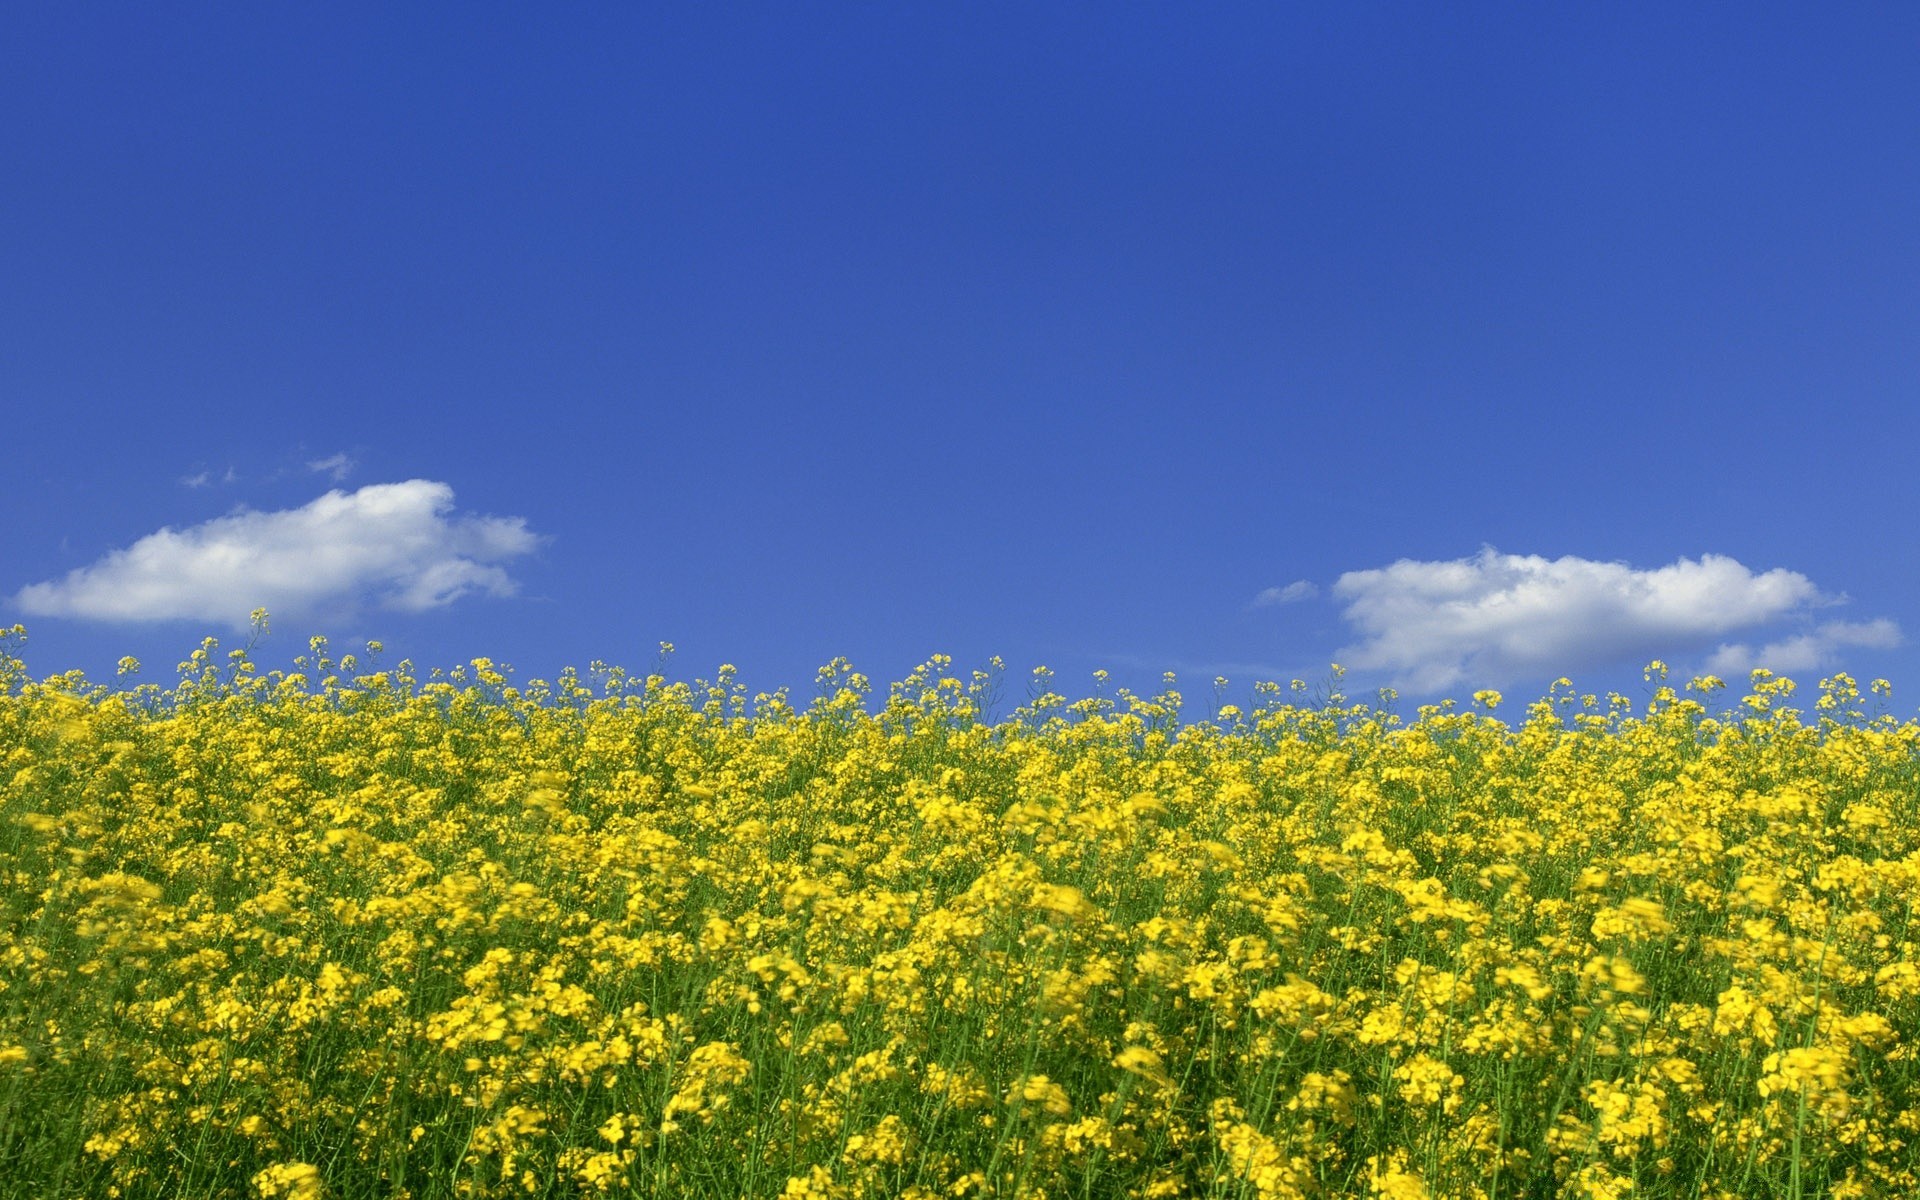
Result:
[[294, 1181], [1390, 1178], [1427, 1082], [1068, 902], [1144, 1062], [1634, 919], [887, 1142], [1331, 1093], [1818, 1073], [1598, 1182], [614, 1128], [1038, 1089], [816, 1184], [1255, 1158]]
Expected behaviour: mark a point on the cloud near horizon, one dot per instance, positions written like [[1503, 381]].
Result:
[[1806, 652], [1494, 618], [397, 546]]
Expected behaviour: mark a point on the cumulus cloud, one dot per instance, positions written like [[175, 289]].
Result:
[[334, 466], [396, 545], [1496, 617], [1299, 589], [1814, 651]]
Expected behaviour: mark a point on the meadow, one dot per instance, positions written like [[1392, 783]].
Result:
[[349, 932]]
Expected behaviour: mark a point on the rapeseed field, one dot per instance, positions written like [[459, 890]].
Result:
[[349, 932]]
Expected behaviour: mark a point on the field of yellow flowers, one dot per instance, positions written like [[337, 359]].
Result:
[[353, 933]]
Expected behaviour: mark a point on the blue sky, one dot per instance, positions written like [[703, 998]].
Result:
[[1465, 345]]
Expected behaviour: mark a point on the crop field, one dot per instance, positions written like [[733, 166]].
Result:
[[352, 932]]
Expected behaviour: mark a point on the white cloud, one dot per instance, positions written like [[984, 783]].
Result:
[[1814, 651], [396, 545], [335, 466], [1299, 589], [1495, 617], [203, 477]]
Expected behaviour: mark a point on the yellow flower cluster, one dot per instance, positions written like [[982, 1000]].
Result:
[[343, 935]]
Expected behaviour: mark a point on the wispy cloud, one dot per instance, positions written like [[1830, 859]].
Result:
[[395, 545], [1807, 652], [1299, 589], [335, 466], [204, 477], [1496, 617]]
